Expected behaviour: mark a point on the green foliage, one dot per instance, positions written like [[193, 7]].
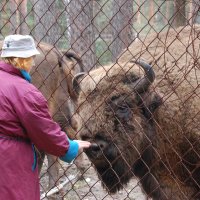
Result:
[[103, 53], [154, 20], [30, 16], [142, 24]]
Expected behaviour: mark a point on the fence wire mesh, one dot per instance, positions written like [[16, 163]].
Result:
[[137, 98]]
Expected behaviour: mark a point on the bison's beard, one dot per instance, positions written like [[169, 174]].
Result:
[[114, 175], [113, 169]]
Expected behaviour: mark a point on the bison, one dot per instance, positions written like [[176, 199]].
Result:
[[144, 120]]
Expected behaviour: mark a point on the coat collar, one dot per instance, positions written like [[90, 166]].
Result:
[[9, 69]]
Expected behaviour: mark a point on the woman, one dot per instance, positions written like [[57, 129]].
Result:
[[24, 122]]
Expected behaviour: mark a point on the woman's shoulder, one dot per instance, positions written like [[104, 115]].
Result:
[[25, 91], [30, 92]]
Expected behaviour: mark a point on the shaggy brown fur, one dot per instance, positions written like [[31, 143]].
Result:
[[153, 135]]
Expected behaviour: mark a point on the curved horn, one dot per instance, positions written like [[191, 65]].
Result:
[[71, 54], [144, 82], [75, 82]]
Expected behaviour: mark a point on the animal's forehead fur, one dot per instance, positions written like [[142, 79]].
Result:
[[107, 77]]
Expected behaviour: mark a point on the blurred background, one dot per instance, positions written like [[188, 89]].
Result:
[[98, 30]]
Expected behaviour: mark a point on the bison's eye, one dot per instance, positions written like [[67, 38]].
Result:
[[121, 107], [123, 112]]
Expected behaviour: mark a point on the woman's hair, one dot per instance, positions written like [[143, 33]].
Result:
[[10, 60], [19, 63]]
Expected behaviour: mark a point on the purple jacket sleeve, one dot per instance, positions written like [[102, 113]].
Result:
[[46, 134]]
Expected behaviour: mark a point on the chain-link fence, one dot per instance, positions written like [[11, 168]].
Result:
[[137, 98]]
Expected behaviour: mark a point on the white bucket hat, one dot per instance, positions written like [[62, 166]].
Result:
[[20, 46]]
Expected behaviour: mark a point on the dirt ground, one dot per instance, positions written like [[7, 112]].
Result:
[[90, 187]]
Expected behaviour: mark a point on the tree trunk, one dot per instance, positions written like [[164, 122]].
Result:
[[81, 33], [1, 19], [121, 26], [46, 14], [13, 19], [179, 17], [138, 11], [8, 17], [22, 13], [167, 11], [193, 11], [151, 10]]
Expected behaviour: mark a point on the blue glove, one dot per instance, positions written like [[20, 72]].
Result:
[[72, 151]]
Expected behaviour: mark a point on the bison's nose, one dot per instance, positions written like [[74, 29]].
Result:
[[99, 145], [95, 147]]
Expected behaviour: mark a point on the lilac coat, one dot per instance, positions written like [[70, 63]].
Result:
[[24, 118]]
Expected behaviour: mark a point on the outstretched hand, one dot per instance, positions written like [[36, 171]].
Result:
[[83, 144]]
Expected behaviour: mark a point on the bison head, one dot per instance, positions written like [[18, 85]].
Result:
[[115, 108]]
